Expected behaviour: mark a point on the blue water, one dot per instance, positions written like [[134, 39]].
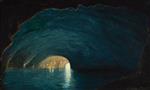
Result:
[[30, 79]]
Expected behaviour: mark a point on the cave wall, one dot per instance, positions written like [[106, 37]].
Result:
[[94, 37]]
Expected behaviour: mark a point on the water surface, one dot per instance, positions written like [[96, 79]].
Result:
[[64, 79]]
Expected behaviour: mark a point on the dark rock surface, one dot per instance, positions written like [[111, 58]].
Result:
[[136, 81], [98, 37]]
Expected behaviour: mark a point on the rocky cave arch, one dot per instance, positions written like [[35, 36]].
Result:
[[94, 37]]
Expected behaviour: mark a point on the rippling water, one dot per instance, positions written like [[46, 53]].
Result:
[[66, 79]]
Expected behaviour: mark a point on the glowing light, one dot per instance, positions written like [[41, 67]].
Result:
[[58, 62], [54, 62], [67, 75]]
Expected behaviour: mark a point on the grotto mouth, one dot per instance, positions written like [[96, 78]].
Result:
[[89, 37], [54, 62], [94, 41]]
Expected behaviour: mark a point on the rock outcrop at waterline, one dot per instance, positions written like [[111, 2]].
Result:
[[95, 37]]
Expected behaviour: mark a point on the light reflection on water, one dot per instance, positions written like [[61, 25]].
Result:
[[53, 73], [67, 75], [66, 79]]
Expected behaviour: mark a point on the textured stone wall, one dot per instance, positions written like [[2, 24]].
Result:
[[95, 37]]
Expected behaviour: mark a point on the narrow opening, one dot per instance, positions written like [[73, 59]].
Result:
[[55, 62]]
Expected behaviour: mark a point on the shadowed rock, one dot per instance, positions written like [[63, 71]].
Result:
[[139, 80], [92, 38]]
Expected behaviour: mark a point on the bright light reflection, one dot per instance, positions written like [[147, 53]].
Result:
[[67, 75], [61, 63]]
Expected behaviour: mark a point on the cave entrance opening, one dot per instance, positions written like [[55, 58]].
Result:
[[55, 62]]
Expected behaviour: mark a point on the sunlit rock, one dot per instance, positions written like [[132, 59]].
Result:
[[53, 62]]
